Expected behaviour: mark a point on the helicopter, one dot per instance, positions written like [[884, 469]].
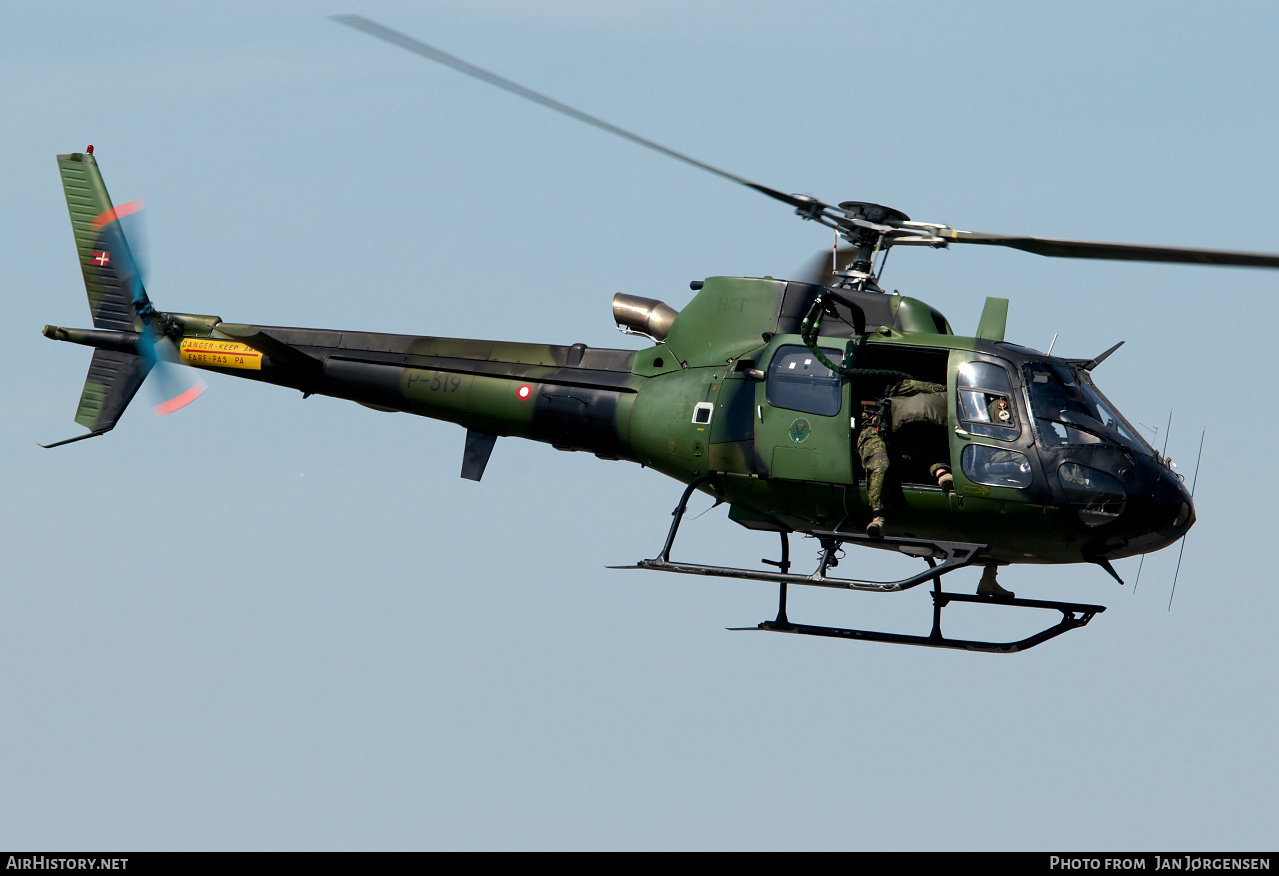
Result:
[[755, 393]]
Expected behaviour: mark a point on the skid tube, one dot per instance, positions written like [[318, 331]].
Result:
[[953, 556]]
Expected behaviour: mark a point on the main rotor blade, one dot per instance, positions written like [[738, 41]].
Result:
[[1128, 252], [838, 218], [395, 38]]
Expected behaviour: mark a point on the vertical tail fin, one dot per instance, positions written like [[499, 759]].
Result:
[[115, 294], [105, 259]]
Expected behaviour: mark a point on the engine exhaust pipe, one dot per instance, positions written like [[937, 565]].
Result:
[[644, 315]]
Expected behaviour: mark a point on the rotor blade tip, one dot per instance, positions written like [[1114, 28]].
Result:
[[180, 401]]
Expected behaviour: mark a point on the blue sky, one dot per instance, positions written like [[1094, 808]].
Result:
[[268, 623]]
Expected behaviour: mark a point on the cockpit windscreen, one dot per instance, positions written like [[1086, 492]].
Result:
[[1068, 409]]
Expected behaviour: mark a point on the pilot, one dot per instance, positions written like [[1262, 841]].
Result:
[[1000, 412], [907, 403]]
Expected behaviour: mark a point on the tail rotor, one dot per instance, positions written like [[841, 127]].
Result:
[[173, 389], [132, 338]]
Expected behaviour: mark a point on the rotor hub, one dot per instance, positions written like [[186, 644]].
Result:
[[877, 213]]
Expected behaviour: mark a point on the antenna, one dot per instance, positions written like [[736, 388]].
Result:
[[1167, 432], [1194, 483]]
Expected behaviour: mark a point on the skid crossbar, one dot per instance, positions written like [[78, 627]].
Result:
[[952, 556]]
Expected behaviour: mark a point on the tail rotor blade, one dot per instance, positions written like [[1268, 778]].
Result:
[[173, 387], [181, 400], [121, 257]]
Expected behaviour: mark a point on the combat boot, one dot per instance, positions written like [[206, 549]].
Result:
[[988, 586], [876, 525]]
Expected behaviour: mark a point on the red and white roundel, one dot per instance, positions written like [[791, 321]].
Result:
[[524, 393]]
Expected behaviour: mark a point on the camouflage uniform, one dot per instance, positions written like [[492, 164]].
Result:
[[874, 456], [913, 387], [872, 447]]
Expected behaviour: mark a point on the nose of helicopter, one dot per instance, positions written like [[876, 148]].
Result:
[[1159, 514]]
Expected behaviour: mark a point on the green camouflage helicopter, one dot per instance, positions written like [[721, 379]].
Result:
[[756, 393]]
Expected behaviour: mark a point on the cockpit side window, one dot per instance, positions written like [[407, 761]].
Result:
[[996, 466], [797, 381], [985, 396]]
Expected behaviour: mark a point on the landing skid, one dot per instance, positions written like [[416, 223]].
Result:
[[952, 556], [1073, 615]]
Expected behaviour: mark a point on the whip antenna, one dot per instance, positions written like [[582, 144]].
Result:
[[1194, 483], [1167, 432]]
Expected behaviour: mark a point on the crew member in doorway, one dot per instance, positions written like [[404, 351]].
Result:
[[916, 407]]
